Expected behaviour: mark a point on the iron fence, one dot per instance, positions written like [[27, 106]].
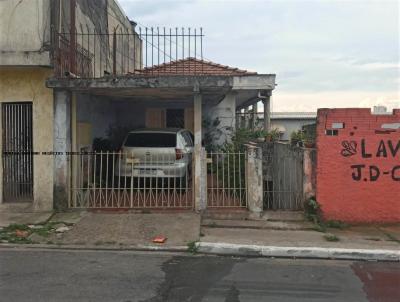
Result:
[[146, 52], [123, 180], [226, 179]]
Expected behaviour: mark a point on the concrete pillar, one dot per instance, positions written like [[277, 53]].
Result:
[[200, 173], [254, 180], [267, 113], [62, 144], [254, 116]]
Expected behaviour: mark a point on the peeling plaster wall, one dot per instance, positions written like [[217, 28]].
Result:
[[28, 85], [225, 111], [24, 32]]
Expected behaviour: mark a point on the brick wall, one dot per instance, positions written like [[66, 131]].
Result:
[[358, 166]]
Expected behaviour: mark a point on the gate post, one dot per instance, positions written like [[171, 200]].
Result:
[[254, 181], [62, 145], [200, 170]]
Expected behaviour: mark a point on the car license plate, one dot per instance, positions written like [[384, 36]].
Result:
[[146, 171]]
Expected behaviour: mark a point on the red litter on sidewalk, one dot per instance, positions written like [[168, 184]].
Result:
[[159, 239]]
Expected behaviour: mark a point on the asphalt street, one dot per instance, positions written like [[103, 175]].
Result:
[[62, 275]]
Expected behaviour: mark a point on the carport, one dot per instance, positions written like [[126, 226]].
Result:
[[85, 109]]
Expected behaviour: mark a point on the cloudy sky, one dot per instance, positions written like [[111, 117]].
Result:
[[324, 53]]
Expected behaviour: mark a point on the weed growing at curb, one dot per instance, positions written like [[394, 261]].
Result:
[[391, 237], [331, 237], [192, 247], [313, 214], [336, 224]]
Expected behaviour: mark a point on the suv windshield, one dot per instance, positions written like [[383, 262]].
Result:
[[151, 139]]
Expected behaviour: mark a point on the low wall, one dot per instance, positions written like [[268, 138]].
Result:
[[358, 165]]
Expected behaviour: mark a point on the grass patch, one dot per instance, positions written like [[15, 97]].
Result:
[[192, 247], [331, 238], [9, 233]]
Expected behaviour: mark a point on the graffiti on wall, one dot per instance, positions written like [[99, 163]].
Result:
[[363, 172]]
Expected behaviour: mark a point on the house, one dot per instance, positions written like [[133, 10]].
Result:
[[289, 122], [33, 48], [97, 73]]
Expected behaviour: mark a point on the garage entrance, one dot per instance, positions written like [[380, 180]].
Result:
[[114, 168]]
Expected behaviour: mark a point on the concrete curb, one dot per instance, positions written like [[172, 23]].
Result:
[[97, 247], [297, 252], [228, 249]]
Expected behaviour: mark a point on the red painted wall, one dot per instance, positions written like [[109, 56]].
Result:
[[358, 170]]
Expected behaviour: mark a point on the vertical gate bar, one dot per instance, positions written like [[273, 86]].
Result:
[[11, 147], [14, 155], [126, 167], [21, 152], [131, 195], [134, 51], [176, 48], [101, 189], [17, 156], [107, 158], [164, 43], [94, 178], [118, 184], [112, 179], [152, 47], [157, 177], [128, 56], [31, 147], [88, 179], [189, 48], [218, 200], [146, 47]]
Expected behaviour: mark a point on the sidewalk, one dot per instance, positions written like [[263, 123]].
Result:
[[272, 236]]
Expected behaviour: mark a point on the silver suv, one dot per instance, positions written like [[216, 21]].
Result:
[[156, 153]]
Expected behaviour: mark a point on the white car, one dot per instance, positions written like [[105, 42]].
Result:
[[156, 153]]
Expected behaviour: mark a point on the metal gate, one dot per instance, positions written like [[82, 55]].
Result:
[[119, 180], [283, 176], [226, 180], [17, 148]]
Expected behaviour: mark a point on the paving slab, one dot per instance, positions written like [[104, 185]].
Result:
[[300, 238], [7, 218], [133, 229], [72, 217], [258, 224]]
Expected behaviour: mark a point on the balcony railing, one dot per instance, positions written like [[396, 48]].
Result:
[[147, 52]]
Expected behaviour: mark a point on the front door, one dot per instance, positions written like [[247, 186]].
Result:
[[17, 148]]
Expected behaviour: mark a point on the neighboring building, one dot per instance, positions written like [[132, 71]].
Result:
[[358, 166], [288, 122], [30, 53], [285, 122]]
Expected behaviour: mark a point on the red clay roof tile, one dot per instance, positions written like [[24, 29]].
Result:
[[193, 66]]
